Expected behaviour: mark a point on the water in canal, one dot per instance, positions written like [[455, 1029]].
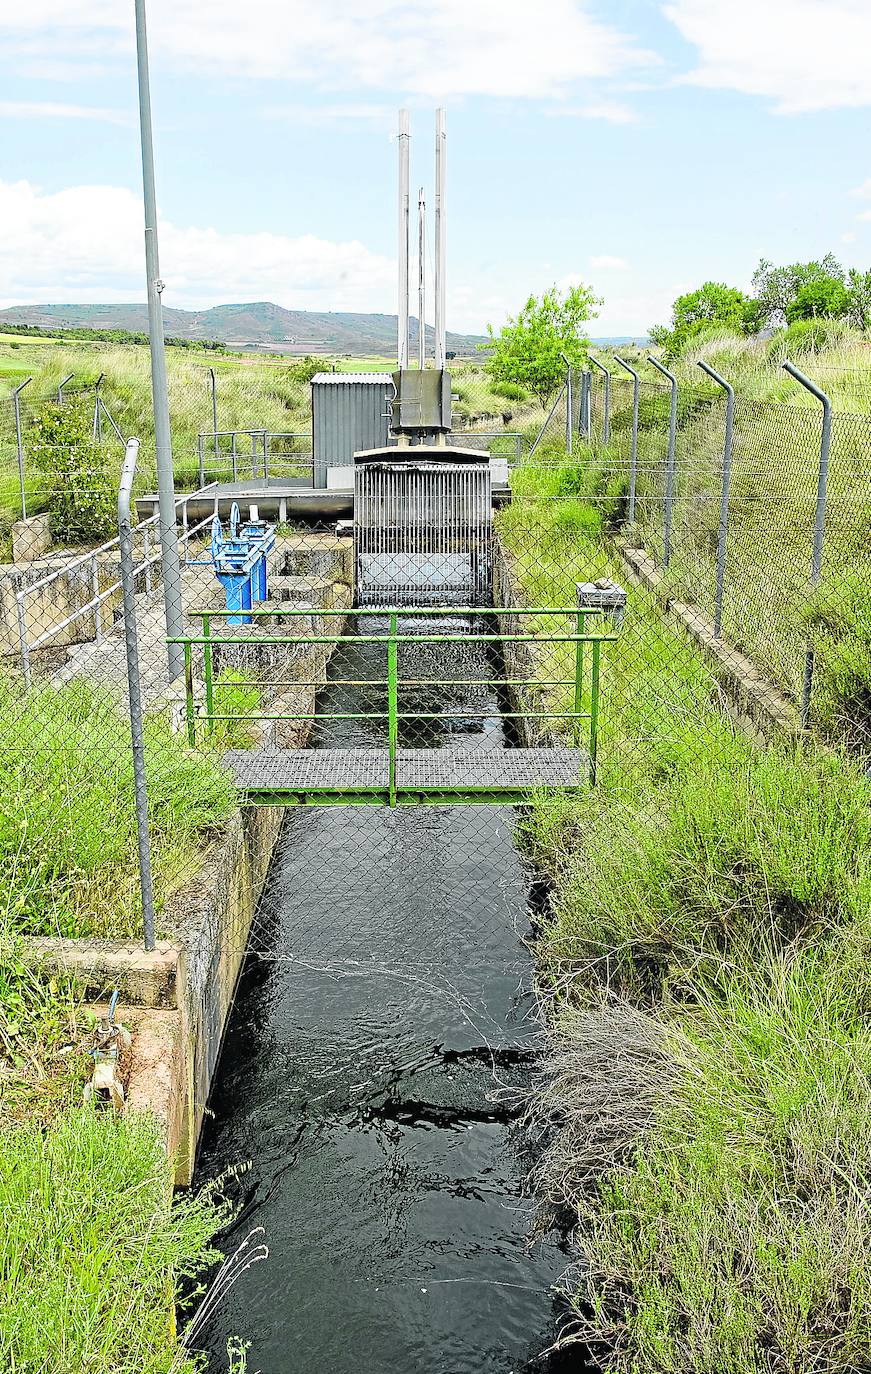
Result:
[[378, 1047]]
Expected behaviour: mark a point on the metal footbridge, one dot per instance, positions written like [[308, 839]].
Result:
[[549, 700]]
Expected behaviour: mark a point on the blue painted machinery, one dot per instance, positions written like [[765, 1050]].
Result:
[[240, 562]]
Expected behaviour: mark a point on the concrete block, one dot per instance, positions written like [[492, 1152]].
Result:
[[31, 538]]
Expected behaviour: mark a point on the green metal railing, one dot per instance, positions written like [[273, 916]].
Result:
[[584, 681]]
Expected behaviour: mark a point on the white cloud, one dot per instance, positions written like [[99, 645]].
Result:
[[604, 262], [862, 192], [332, 114], [85, 243], [49, 109], [865, 215], [434, 48], [614, 111], [801, 54], [848, 237]]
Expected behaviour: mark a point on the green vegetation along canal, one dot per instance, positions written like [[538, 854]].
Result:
[[379, 1048]]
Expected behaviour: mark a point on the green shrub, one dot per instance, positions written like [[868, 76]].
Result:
[[80, 494], [510, 390]]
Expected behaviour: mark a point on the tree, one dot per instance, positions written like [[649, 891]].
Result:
[[826, 296], [531, 350], [775, 288], [859, 297], [695, 312]]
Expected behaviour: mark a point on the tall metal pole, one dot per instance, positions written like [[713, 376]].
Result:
[[19, 444], [160, 398], [421, 280], [440, 227], [669, 469], [723, 531], [633, 448], [404, 235], [140, 790], [819, 520]]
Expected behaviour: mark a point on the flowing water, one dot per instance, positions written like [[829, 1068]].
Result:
[[375, 1060]]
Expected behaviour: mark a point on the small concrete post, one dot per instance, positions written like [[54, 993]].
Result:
[[605, 596]]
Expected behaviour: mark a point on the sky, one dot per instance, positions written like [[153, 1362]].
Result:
[[640, 147]]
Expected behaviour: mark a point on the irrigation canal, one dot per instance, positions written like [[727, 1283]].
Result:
[[380, 1044]]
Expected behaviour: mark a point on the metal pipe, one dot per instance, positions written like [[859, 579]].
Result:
[[723, 531], [421, 279], [404, 245], [140, 788], [213, 382], [669, 470], [19, 443], [162, 433], [606, 419], [819, 520], [586, 420], [61, 385], [440, 242], [633, 446]]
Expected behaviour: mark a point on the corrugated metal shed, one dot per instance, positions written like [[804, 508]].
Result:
[[349, 412]]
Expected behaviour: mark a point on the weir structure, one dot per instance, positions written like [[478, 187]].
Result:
[[423, 586]]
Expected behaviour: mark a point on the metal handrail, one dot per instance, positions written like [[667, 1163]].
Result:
[[95, 602], [580, 637]]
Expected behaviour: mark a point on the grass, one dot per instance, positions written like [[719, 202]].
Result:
[[705, 960], [67, 832], [92, 1251]]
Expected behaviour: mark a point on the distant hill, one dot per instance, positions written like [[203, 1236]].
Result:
[[255, 324]]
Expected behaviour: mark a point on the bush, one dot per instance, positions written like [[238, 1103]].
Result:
[[79, 486], [510, 390]]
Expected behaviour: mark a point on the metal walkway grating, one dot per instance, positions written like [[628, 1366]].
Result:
[[293, 775]]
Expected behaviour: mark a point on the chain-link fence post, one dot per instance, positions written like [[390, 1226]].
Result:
[[128, 585], [213, 387], [61, 385], [633, 441], [669, 469], [172, 598], [19, 443], [723, 529], [819, 520], [569, 402], [98, 427], [586, 420], [606, 412]]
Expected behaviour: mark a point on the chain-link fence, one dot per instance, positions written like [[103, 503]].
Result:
[[753, 525]]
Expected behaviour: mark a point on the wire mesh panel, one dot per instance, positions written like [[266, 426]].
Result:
[[422, 533]]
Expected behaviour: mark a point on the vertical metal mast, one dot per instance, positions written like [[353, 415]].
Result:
[[440, 225], [421, 280], [404, 246], [162, 435]]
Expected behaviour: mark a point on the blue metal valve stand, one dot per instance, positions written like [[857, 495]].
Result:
[[240, 563]]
